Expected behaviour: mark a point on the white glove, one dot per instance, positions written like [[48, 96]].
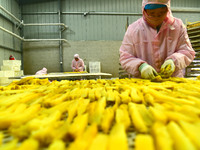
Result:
[[167, 68], [76, 70], [147, 71]]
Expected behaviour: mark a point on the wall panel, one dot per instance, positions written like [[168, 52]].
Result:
[[40, 32], [96, 36], [93, 26], [8, 43]]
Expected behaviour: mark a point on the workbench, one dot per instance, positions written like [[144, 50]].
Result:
[[71, 76]]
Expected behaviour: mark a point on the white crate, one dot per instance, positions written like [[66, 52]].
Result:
[[19, 73], [4, 81], [12, 62], [95, 67], [7, 73], [9, 67]]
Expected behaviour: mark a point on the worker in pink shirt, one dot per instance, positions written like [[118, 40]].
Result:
[[155, 42], [77, 64], [43, 71]]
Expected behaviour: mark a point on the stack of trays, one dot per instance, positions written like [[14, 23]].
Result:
[[193, 30], [10, 68]]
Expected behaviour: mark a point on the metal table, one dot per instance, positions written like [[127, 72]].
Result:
[[62, 76]]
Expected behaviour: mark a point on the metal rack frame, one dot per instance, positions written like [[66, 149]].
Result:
[[193, 30], [31, 24], [21, 24]]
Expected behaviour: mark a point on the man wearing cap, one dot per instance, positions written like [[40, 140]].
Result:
[[156, 43], [77, 64]]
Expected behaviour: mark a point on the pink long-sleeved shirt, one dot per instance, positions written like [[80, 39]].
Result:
[[79, 65], [143, 44]]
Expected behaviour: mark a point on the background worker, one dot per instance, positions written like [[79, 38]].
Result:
[[43, 71], [157, 41], [12, 57], [77, 64]]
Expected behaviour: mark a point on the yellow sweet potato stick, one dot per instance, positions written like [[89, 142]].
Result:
[[161, 136], [20, 97], [158, 115], [100, 142], [29, 113], [159, 97], [29, 144], [181, 141], [107, 119], [58, 100], [110, 95], [91, 94], [148, 99], [19, 131], [45, 131], [1, 138], [192, 132], [144, 142], [176, 116], [135, 96], [84, 92], [38, 122], [62, 131], [125, 96], [83, 142], [146, 115], [11, 145], [192, 110], [57, 145], [20, 108], [98, 93], [44, 135], [82, 106], [122, 116], [97, 114], [137, 119], [78, 126], [62, 107], [72, 110], [117, 138]]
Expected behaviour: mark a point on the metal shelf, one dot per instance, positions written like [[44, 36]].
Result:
[[31, 24], [191, 66], [195, 41], [194, 32], [193, 28], [196, 45], [195, 36], [197, 50], [20, 24], [31, 40], [47, 24]]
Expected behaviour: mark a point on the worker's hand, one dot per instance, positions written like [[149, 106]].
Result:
[[167, 68], [76, 70], [147, 71]]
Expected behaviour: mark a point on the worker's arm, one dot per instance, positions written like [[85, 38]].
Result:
[[73, 65], [128, 58], [184, 53], [81, 67]]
